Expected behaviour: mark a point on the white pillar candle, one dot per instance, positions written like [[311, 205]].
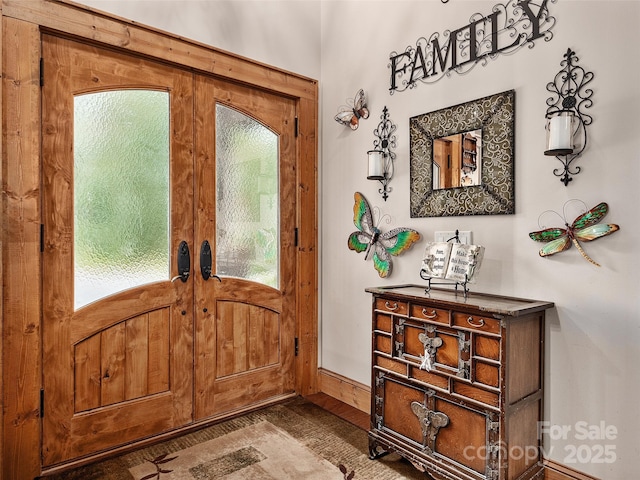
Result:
[[560, 134], [376, 165]]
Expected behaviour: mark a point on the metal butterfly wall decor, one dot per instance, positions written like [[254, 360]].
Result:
[[371, 240], [584, 228], [351, 114]]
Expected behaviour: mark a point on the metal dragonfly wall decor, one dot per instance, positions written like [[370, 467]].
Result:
[[584, 228]]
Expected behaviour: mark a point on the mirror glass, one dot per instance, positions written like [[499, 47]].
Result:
[[457, 160], [462, 159]]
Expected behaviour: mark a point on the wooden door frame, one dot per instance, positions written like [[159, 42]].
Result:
[[21, 295]]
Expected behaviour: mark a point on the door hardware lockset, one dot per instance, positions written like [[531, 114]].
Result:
[[184, 262], [205, 261]]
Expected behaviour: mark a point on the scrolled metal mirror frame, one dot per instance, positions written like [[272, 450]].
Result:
[[495, 115]]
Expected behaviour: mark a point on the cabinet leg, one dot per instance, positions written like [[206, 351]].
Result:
[[420, 467], [375, 451]]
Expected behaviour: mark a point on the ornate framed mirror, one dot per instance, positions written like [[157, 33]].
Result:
[[462, 159]]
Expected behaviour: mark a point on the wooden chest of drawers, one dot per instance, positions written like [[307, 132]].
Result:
[[457, 383]]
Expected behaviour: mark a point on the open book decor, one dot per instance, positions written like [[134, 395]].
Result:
[[457, 263]]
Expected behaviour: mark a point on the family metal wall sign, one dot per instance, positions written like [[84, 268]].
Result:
[[508, 28]]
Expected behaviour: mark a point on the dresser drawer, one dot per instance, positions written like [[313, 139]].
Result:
[[476, 323], [430, 379], [486, 347], [434, 348], [486, 374], [430, 314], [382, 323], [391, 365], [433, 424], [382, 343], [392, 306], [470, 392]]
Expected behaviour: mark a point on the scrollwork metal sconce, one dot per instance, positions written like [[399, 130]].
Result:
[[566, 119], [381, 157]]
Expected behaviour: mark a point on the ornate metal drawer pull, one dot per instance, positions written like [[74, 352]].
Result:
[[431, 422], [431, 345], [390, 307], [473, 323], [431, 315]]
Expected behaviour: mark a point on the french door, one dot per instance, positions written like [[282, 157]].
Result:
[[245, 330], [168, 263]]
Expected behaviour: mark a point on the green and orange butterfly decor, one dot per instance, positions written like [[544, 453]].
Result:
[[584, 228], [368, 238]]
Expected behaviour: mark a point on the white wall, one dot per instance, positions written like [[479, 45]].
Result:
[[282, 33], [593, 333]]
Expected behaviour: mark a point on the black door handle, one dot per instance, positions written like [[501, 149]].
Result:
[[205, 261], [184, 262]]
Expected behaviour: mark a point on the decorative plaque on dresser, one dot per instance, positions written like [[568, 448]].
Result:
[[457, 382]]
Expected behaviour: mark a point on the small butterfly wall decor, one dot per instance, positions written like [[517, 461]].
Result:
[[351, 114], [368, 238], [584, 228]]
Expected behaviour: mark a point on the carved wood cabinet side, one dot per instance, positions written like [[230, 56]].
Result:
[[457, 382]]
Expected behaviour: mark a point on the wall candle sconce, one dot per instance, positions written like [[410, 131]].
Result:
[[381, 157], [566, 121]]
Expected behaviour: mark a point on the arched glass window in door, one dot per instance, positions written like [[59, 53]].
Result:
[[121, 191], [247, 198]]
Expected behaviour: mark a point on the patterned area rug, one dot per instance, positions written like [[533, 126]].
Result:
[[292, 440], [261, 451]]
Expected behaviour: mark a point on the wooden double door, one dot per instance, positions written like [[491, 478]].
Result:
[[160, 309]]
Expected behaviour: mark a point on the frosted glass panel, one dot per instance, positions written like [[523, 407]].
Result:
[[247, 199], [121, 191]]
